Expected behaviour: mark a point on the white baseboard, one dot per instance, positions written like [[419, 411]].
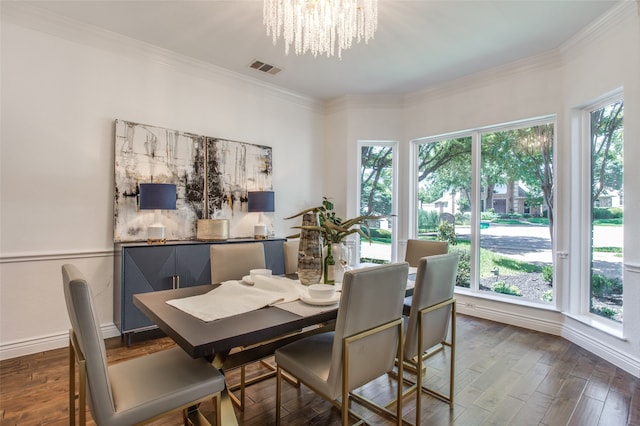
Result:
[[46, 343], [618, 358], [512, 318], [622, 360]]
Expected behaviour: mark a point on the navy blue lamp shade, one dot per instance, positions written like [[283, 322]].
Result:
[[261, 201], [157, 196]]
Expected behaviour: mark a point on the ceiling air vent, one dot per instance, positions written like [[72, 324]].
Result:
[[261, 66]]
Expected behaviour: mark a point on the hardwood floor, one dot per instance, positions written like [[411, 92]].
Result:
[[504, 376]]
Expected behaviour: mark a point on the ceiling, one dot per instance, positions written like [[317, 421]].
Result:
[[418, 43]]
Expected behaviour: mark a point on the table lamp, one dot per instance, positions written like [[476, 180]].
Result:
[[157, 196], [259, 202]]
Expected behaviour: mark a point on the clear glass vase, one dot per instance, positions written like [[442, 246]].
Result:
[[310, 252]]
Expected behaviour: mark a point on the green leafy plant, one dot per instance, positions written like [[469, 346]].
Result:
[[447, 232], [605, 312], [427, 220], [463, 278], [547, 296], [487, 215], [504, 288], [333, 228], [547, 274], [603, 287]]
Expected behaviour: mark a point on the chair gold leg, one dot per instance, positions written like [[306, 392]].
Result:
[[452, 369], [82, 392], [72, 383], [400, 355], [217, 402], [76, 356], [345, 383]]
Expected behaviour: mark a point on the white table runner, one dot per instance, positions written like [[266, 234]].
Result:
[[234, 297]]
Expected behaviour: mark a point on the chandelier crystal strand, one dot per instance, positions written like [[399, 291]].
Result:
[[320, 26]]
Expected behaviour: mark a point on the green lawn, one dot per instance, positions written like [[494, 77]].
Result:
[[490, 260]]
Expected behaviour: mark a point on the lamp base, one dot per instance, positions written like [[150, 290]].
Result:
[[260, 232], [156, 234], [151, 241]]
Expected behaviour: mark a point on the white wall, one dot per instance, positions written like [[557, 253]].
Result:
[[62, 88]]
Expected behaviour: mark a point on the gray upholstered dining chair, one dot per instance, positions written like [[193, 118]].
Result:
[[234, 261], [291, 251], [432, 316], [134, 391], [417, 249], [365, 343]]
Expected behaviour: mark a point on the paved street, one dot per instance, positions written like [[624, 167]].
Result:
[[530, 243]]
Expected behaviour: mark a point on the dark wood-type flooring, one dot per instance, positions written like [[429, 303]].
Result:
[[505, 375]]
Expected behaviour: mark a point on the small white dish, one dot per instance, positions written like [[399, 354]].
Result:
[[248, 279], [265, 272], [321, 302], [321, 291]]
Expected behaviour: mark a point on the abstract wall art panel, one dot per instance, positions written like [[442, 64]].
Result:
[[233, 169], [212, 177]]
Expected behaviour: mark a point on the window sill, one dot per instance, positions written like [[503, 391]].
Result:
[[506, 299], [611, 328]]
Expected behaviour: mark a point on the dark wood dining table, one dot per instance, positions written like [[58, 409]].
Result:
[[260, 332]]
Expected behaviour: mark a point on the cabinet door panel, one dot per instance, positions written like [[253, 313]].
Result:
[[193, 264], [146, 269]]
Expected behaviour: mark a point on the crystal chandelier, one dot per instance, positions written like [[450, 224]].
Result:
[[319, 25]]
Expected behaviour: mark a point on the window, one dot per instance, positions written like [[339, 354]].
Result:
[[444, 197], [515, 244], [606, 205], [489, 193], [377, 184]]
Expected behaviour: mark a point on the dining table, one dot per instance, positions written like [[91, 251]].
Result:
[[259, 330], [240, 339]]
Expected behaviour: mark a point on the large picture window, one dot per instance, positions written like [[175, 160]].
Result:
[[489, 193]]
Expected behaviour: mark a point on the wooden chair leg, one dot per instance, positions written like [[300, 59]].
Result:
[[278, 391]]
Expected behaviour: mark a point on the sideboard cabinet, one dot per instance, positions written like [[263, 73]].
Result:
[[142, 268]]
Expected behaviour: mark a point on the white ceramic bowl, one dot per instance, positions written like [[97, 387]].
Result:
[[265, 272], [321, 291]]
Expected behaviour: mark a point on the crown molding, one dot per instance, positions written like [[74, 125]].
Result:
[[37, 19], [616, 16]]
